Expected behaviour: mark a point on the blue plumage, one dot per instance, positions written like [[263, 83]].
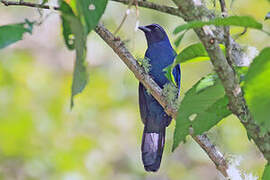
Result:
[[160, 54]]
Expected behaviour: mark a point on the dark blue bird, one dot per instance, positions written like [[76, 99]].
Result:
[[160, 54]]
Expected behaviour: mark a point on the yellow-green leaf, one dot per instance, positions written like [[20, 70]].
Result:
[[257, 89]]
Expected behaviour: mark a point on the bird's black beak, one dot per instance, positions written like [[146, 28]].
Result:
[[145, 29]]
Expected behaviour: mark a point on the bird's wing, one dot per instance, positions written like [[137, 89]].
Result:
[[142, 102], [177, 76]]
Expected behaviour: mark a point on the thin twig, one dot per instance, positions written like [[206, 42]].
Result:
[[226, 33], [125, 17], [27, 4], [161, 8], [122, 22], [240, 34]]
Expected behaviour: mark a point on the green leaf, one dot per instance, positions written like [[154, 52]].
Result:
[[191, 52], [201, 108], [168, 73], [90, 12], [206, 120], [179, 39], [80, 75], [194, 53], [266, 172], [242, 21], [206, 82], [75, 30], [257, 89], [14, 32]]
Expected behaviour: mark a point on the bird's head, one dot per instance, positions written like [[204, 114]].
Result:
[[153, 33]]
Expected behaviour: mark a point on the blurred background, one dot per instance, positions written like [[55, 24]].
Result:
[[41, 138]]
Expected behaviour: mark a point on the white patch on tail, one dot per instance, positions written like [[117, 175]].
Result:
[[153, 137]]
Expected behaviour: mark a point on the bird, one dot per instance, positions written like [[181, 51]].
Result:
[[160, 55]]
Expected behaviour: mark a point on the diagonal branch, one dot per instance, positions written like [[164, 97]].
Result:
[[118, 46]]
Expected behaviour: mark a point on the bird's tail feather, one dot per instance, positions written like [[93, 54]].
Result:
[[152, 149]]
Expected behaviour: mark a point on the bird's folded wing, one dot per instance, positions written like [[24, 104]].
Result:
[[142, 102]]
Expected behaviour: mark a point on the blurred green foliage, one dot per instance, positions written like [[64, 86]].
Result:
[[37, 126]]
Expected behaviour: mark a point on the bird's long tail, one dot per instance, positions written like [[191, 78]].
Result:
[[152, 149]]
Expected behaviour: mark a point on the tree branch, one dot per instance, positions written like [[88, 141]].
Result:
[[118, 46], [165, 9], [226, 73], [125, 17], [27, 4]]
